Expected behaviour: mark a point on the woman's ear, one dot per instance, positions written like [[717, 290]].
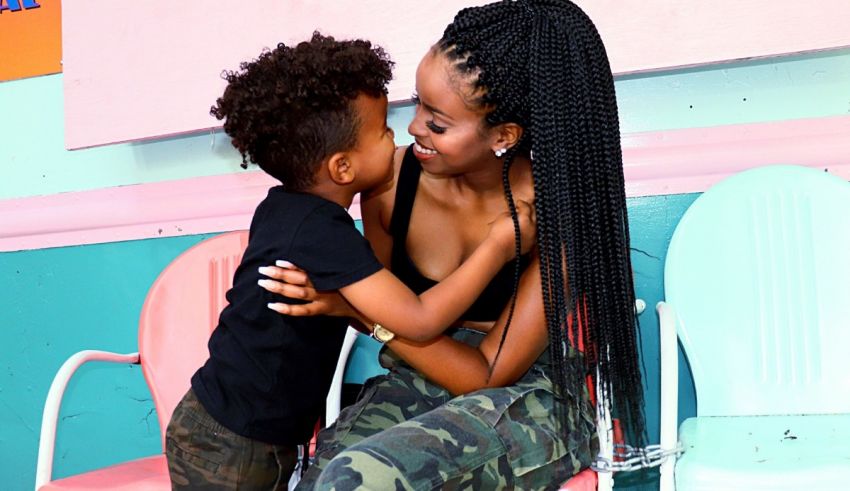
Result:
[[340, 169], [507, 135]]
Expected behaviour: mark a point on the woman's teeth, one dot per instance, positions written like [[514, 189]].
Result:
[[427, 151]]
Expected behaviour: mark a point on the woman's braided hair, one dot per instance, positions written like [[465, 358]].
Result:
[[541, 64]]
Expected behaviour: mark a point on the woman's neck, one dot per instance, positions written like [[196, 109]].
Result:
[[487, 182]]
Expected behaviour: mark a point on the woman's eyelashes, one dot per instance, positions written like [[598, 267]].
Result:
[[435, 128], [431, 125]]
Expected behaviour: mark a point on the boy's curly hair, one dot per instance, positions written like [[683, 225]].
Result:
[[290, 109]]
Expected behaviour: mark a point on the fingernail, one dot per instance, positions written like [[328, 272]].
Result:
[[278, 307], [283, 264], [264, 270], [263, 282]]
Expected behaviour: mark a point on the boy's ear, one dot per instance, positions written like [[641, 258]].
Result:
[[507, 135], [340, 169]]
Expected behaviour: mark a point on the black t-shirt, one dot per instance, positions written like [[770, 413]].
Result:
[[268, 374]]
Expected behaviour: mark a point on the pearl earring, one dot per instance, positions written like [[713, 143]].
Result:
[[500, 152]]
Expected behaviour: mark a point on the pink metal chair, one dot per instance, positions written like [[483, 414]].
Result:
[[178, 316]]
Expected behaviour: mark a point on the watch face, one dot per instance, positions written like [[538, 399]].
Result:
[[383, 334]]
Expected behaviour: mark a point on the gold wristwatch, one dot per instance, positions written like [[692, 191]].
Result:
[[382, 334]]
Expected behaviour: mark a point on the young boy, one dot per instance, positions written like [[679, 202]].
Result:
[[314, 117]]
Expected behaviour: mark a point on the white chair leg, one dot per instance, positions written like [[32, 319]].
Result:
[[669, 392], [332, 405]]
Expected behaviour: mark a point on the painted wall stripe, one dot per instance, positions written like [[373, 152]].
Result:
[[656, 163], [691, 160]]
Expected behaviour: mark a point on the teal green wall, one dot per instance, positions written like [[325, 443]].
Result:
[[55, 302], [793, 87]]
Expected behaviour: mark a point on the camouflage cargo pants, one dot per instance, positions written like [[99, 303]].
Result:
[[203, 455], [406, 433]]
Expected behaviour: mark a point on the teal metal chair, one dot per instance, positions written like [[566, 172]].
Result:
[[757, 287]]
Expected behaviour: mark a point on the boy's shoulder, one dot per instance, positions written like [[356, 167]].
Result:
[[300, 216], [282, 204], [318, 235]]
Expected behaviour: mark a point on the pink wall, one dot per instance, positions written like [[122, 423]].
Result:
[[144, 70], [656, 163], [160, 70]]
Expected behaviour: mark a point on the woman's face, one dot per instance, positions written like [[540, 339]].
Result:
[[450, 136]]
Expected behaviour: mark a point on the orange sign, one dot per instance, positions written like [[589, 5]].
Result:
[[30, 38]]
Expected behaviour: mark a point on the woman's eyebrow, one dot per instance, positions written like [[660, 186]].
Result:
[[434, 110]]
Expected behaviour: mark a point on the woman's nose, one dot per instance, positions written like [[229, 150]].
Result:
[[417, 124]]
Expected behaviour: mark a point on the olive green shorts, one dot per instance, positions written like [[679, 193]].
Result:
[[204, 455]]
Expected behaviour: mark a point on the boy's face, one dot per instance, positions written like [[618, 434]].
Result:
[[373, 154]]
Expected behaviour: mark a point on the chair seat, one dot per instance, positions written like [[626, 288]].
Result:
[[147, 474], [765, 452]]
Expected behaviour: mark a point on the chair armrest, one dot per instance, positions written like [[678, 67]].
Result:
[[332, 405], [47, 441], [669, 390]]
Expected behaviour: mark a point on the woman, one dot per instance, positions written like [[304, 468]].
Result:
[[516, 101]]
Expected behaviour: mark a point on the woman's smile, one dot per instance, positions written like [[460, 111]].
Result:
[[423, 153]]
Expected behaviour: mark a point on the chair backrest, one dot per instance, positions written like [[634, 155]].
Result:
[[758, 270], [180, 312]]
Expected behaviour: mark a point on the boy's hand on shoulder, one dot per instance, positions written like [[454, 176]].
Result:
[[502, 230]]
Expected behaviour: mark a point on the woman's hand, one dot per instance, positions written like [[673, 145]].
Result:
[[502, 230], [290, 281]]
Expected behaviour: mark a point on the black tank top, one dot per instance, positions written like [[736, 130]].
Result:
[[495, 296]]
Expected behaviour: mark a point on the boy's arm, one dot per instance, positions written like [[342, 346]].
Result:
[[442, 359], [383, 298]]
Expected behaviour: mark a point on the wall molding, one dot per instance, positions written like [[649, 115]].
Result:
[[691, 160], [656, 163]]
